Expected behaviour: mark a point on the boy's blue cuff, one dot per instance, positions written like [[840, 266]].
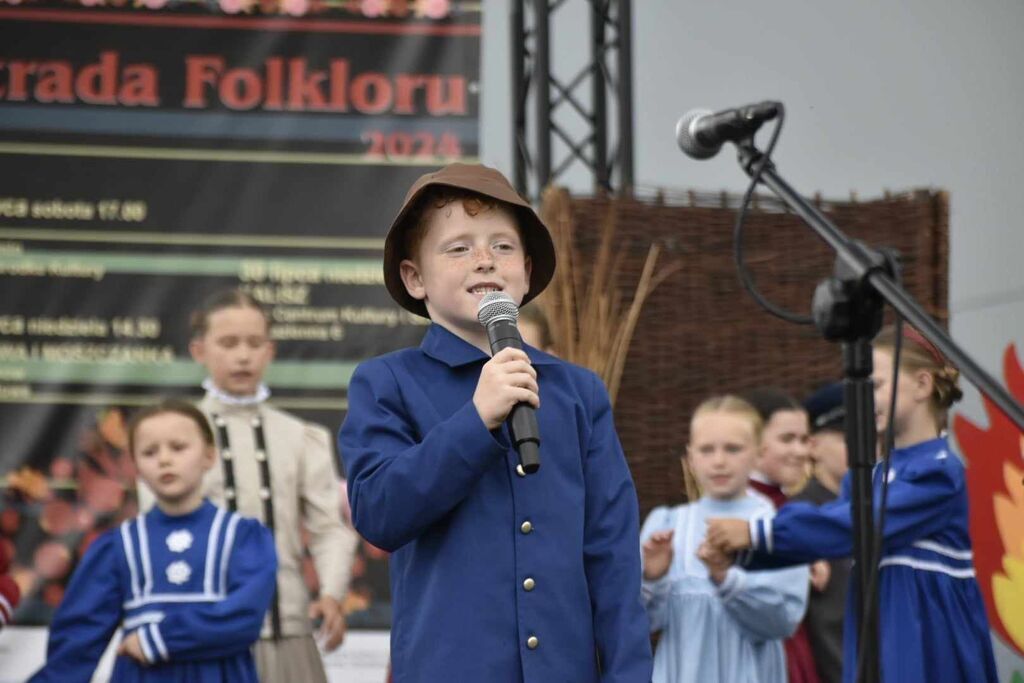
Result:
[[761, 537]]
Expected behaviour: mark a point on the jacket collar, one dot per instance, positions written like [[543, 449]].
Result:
[[931, 447], [441, 344]]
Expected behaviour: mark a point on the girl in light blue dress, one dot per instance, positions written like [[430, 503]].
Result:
[[718, 622]]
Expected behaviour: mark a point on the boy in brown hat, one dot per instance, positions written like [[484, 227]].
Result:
[[496, 575]]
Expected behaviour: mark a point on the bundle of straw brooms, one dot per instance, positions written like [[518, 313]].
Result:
[[591, 322]]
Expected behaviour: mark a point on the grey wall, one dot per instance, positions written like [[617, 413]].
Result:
[[879, 95]]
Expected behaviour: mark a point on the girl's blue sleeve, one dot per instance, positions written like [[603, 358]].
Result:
[[209, 630], [88, 615], [920, 502]]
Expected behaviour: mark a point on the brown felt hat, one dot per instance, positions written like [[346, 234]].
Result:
[[485, 181]]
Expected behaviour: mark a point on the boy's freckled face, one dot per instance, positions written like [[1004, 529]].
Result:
[[461, 258]]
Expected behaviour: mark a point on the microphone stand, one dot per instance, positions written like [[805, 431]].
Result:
[[848, 308]]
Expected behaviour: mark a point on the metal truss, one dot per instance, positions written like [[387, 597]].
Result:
[[573, 114]]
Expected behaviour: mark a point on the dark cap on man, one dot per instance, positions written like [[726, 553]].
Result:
[[825, 408]]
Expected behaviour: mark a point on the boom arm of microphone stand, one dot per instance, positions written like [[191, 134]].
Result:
[[862, 283], [883, 283]]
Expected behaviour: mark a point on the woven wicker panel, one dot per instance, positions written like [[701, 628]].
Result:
[[701, 334]]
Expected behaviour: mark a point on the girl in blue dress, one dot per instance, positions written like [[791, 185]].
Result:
[[188, 583], [718, 623], [932, 617]]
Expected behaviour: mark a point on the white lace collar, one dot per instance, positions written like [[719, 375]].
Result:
[[261, 395]]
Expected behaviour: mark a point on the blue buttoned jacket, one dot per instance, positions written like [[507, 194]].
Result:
[[428, 482]]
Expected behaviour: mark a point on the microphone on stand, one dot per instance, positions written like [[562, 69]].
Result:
[[701, 132], [498, 313]]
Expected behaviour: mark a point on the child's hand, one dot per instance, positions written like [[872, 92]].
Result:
[[332, 629], [130, 647], [821, 572], [657, 552], [715, 560], [729, 535], [506, 379]]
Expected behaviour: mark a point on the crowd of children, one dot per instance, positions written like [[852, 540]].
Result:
[[207, 582], [498, 575]]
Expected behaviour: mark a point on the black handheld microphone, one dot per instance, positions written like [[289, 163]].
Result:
[[498, 313], [701, 132]]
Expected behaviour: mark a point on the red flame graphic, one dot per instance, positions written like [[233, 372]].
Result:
[[993, 455]]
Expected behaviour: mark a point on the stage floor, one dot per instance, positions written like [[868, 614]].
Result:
[[363, 658]]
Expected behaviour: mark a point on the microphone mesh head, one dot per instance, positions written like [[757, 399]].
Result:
[[496, 306], [688, 142]]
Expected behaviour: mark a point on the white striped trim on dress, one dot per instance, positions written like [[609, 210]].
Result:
[[173, 597], [129, 552], [158, 640], [147, 650], [924, 565], [152, 617], [944, 550], [225, 552], [147, 567], [211, 548]]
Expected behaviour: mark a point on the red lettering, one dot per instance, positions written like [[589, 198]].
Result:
[[304, 90], [54, 83], [372, 93], [97, 83], [339, 84], [139, 87], [405, 92], [241, 89], [17, 82], [456, 102], [200, 70], [275, 84]]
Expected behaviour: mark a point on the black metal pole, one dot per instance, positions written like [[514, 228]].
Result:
[[519, 93], [542, 90], [858, 399], [625, 59], [598, 14]]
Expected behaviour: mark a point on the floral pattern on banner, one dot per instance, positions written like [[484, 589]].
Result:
[[373, 9], [49, 519]]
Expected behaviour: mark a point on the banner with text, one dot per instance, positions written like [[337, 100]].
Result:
[[154, 151]]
